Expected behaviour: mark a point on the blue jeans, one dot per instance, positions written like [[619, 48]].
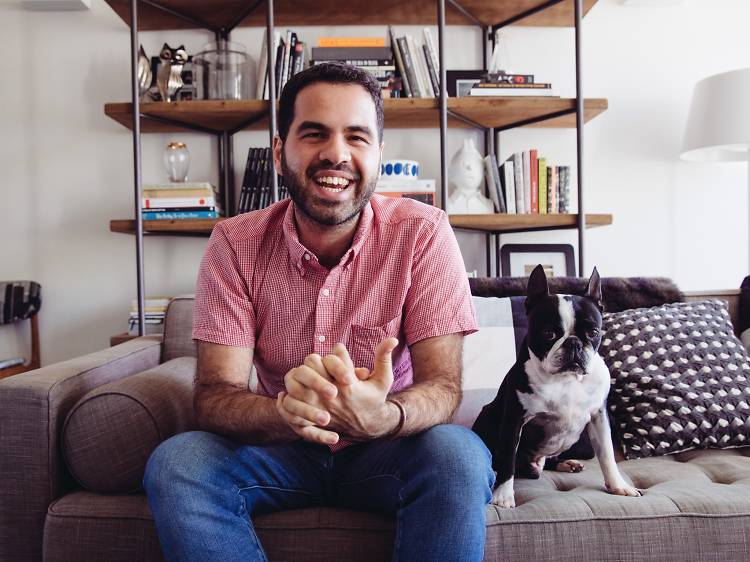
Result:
[[203, 489]]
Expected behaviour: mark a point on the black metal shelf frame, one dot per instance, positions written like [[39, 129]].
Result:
[[225, 138]]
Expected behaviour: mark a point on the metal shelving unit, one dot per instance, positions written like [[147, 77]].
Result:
[[166, 15]]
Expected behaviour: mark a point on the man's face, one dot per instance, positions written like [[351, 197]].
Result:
[[331, 158]]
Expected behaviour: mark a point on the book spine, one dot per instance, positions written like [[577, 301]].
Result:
[[171, 193], [290, 61], [344, 53], [526, 182], [552, 199], [501, 207], [351, 42], [181, 209], [534, 180], [564, 185], [399, 63], [285, 59], [170, 202], [518, 171], [431, 71], [430, 42], [245, 190], [417, 58], [148, 216], [542, 183], [509, 185], [262, 67], [279, 64], [409, 67]]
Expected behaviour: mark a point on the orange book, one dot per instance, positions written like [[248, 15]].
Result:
[[351, 42]]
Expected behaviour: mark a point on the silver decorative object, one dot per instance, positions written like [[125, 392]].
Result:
[[145, 76], [168, 76], [177, 161]]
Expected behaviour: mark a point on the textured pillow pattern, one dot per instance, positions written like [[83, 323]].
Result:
[[679, 378]]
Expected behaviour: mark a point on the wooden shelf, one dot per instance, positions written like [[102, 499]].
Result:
[[223, 13], [187, 227], [484, 223], [499, 223], [227, 115]]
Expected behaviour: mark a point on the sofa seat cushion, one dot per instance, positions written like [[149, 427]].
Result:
[[112, 430], [121, 528]]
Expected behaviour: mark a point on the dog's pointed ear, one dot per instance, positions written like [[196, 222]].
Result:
[[594, 289], [537, 287]]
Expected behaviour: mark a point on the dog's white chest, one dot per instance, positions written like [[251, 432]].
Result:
[[563, 398]]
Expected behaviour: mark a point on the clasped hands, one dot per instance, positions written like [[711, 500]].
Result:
[[328, 397]]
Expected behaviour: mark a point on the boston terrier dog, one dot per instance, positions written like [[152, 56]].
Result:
[[557, 388]]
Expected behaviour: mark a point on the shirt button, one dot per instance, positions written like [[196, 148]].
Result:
[[326, 292], [307, 257], [321, 338]]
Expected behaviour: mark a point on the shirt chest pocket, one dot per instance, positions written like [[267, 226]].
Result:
[[364, 339]]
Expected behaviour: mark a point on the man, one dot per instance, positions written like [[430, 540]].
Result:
[[352, 307]]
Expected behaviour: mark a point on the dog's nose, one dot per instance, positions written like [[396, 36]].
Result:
[[573, 344]]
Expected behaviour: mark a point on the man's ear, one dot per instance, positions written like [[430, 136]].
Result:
[[594, 289], [537, 287], [278, 146]]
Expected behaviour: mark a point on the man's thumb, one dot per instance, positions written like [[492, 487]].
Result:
[[383, 368]]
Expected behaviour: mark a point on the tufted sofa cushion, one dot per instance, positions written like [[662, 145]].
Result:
[[691, 502]]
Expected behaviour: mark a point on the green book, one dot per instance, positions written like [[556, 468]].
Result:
[[542, 186]]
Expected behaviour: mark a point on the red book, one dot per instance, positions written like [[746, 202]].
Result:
[[534, 170]]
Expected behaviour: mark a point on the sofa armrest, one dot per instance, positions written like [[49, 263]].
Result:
[[33, 407]]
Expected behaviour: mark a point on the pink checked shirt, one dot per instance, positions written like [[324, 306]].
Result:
[[259, 287]]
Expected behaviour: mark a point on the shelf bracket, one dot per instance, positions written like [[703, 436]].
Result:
[[190, 126], [466, 13], [254, 119], [249, 10], [540, 118], [190, 19], [466, 120], [527, 13]]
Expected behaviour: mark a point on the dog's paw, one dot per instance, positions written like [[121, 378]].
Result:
[[503, 495], [624, 489], [569, 465]]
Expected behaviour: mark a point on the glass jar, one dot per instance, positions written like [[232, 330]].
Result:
[[177, 161], [223, 71]]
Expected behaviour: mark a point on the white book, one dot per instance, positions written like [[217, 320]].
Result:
[[416, 59], [389, 186], [432, 46], [509, 185], [511, 92], [489, 177], [518, 182], [285, 60], [180, 185], [260, 83]]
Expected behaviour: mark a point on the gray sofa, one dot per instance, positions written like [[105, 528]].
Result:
[[95, 419]]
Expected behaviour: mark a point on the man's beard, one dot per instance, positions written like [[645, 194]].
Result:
[[322, 211]]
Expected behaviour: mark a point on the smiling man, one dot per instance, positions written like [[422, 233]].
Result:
[[352, 308]]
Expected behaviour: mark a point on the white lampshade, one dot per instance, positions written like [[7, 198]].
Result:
[[718, 127]]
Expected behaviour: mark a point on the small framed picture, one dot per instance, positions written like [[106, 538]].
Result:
[[518, 260], [460, 82]]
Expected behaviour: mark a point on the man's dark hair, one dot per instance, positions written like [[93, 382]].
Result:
[[332, 73]]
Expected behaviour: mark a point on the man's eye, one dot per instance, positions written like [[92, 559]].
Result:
[[315, 135], [359, 139], [549, 335]]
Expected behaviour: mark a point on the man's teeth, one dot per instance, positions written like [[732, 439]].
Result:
[[336, 184]]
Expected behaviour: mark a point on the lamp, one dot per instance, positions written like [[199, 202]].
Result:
[[718, 126]]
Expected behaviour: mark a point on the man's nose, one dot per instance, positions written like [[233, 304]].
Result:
[[336, 150]]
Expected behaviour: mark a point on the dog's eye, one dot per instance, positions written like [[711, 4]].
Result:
[[549, 335], [592, 334]]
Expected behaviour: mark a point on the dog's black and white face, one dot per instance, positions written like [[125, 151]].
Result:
[[564, 330]]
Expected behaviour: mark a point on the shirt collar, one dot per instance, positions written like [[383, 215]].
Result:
[[297, 250]]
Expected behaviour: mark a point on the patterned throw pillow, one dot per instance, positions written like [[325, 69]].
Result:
[[679, 379]]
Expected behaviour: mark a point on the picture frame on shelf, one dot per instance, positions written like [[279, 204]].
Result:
[[460, 82], [518, 260]]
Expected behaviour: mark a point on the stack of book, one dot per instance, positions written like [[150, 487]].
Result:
[[420, 190], [155, 312], [367, 53], [511, 85], [291, 58], [178, 201], [256, 181], [417, 63], [526, 183]]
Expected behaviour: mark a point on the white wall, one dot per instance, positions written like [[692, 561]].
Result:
[[66, 169]]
